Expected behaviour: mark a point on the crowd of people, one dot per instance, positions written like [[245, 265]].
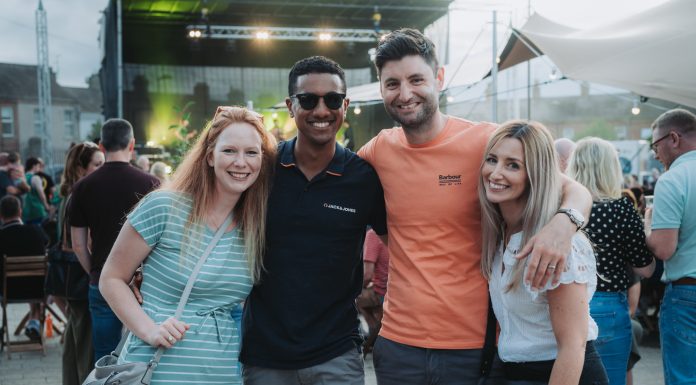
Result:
[[473, 226]]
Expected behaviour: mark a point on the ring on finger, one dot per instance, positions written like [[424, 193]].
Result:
[[551, 267], [171, 339]]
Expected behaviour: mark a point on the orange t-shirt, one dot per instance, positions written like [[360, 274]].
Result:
[[436, 296]]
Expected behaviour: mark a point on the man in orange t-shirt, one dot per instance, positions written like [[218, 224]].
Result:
[[437, 304]]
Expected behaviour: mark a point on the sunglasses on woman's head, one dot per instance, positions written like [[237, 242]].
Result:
[[309, 101], [233, 108]]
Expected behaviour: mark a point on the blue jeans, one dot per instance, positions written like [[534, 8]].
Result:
[[678, 334], [106, 327], [610, 311]]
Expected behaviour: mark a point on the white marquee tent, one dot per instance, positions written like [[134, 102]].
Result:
[[652, 53]]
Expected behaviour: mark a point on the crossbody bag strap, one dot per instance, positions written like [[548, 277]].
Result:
[[62, 210], [182, 301]]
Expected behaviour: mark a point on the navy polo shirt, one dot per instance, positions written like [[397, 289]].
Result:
[[302, 313]]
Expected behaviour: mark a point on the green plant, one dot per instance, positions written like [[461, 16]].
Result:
[[183, 134]]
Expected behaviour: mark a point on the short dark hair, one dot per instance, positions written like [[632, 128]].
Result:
[[9, 206], [405, 42], [678, 119], [13, 157], [116, 134], [314, 65], [31, 162]]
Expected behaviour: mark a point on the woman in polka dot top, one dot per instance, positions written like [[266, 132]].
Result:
[[616, 230]]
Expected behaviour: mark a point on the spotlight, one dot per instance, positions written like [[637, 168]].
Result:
[[635, 110], [195, 33], [324, 36], [262, 35], [450, 98], [357, 110]]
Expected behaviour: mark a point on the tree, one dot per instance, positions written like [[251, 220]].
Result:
[[599, 128]]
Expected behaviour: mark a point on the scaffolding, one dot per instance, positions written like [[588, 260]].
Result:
[[43, 81]]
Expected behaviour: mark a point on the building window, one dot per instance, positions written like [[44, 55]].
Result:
[[7, 114], [37, 123], [69, 124], [621, 132]]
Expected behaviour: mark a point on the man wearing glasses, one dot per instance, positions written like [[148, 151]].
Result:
[[300, 321], [671, 235]]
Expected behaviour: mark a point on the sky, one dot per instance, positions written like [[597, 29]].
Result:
[[73, 34], [73, 27]]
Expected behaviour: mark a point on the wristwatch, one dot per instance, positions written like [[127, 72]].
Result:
[[574, 215]]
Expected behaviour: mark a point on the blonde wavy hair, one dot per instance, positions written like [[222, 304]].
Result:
[[543, 191], [196, 178], [595, 165]]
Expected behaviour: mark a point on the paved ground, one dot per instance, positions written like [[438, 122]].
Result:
[[34, 368]]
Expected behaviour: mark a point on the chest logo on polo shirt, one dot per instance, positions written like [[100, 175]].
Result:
[[339, 208], [449, 180]]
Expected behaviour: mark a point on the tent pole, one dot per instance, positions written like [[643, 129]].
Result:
[[494, 71]]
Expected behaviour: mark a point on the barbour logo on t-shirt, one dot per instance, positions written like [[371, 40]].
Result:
[[449, 180]]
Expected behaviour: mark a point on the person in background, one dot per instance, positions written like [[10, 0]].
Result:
[[20, 239], [564, 149], [143, 163], [78, 352], [636, 327], [159, 170], [36, 207], [227, 172], [671, 236], [12, 178], [616, 229], [375, 275], [545, 335], [99, 204]]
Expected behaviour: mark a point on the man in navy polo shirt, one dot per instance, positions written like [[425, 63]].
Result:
[[300, 321]]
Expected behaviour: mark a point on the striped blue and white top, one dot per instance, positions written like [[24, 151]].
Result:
[[209, 351]]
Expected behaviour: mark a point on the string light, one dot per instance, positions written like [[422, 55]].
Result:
[[635, 110]]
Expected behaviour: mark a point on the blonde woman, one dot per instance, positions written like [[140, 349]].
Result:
[[616, 229], [159, 170], [546, 334], [227, 170]]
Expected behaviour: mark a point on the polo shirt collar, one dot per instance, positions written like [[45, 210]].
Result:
[[14, 222], [691, 155], [335, 167]]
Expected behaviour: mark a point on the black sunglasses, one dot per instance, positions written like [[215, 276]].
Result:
[[309, 101]]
